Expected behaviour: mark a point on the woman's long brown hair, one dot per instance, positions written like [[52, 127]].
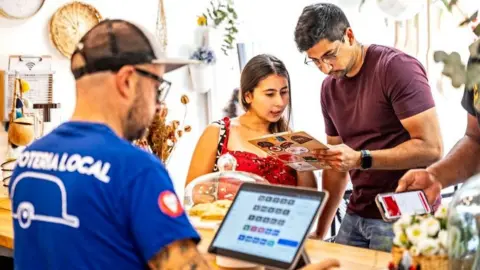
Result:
[[256, 70]]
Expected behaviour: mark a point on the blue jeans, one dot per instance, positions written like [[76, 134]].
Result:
[[365, 233]]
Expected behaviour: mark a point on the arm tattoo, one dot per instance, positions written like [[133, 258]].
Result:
[[182, 255]]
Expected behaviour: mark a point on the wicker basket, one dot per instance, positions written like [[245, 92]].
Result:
[[431, 262], [69, 23], [397, 255]]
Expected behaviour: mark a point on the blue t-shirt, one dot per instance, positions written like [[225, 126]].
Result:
[[83, 198]]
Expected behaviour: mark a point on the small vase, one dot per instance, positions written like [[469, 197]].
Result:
[[202, 78], [207, 36]]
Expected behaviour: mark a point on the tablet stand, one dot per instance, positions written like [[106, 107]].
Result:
[[303, 261]]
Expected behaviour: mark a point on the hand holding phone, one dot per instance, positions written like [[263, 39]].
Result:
[[393, 205]]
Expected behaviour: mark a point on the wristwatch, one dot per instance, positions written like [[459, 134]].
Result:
[[366, 160]]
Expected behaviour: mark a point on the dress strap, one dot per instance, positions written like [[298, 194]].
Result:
[[226, 122], [222, 146]]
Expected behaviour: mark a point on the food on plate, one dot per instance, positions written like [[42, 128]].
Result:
[[199, 209], [214, 213], [225, 204], [211, 211]]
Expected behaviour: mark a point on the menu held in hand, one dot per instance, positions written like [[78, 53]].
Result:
[[293, 148]]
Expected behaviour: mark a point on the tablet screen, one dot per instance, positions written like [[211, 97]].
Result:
[[269, 224]]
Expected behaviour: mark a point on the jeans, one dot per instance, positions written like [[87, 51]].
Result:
[[368, 233]]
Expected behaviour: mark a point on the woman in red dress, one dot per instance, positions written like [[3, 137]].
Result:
[[265, 96]]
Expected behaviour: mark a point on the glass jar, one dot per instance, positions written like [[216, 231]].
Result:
[[463, 226], [208, 197]]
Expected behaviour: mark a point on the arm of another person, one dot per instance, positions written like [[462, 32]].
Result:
[[181, 254], [205, 153], [461, 163], [307, 179], [335, 182]]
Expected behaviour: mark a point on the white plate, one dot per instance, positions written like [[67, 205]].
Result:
[[201, 224]]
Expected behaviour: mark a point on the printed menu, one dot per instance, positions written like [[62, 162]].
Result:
[[294, 149]]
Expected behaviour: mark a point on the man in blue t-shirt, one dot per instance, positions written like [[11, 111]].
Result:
[[82, 196]]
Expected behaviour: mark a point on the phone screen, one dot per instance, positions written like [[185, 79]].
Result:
[[406, 203]]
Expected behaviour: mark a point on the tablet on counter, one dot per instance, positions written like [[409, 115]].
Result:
[[268, 225]]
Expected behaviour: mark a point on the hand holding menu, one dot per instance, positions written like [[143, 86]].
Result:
[[293, 148]]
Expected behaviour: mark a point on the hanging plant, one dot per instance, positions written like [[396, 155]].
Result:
[[221, 13], [459, 73]]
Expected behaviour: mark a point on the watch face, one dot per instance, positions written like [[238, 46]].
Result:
[[366, 160], [20, 9]]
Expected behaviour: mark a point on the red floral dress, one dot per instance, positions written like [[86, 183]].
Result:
[[273, 170]]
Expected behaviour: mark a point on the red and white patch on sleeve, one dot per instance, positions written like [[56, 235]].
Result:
[[169, 204]]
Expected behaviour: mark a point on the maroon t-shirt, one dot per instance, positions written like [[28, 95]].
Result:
[[365, 111]]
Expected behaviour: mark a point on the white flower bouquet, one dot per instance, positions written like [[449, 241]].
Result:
[[424, 237]]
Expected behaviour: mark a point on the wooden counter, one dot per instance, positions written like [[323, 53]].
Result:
[[350, 257]]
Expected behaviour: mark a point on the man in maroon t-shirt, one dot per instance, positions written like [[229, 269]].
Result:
[[379, 117]]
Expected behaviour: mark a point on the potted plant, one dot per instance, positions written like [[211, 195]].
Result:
[[220, 14], [422, 238], [202, 74], [461, 74]]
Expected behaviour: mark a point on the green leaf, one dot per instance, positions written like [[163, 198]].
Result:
[[210, 14], [447, 5], [361, 5], [217, 21], [470, 19], [477, 30]]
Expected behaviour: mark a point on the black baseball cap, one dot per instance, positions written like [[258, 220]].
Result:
[[112, 44]]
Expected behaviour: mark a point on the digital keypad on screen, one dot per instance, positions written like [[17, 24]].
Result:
[[267, 218]]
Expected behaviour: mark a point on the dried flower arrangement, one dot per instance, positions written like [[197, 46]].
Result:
[[163, 137]]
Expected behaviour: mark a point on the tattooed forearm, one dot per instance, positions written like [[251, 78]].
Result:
[[179, 255]]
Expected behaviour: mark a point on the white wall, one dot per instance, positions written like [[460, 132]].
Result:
[[31, 37]]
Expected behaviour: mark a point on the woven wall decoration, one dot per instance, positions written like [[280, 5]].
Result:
[[69, 23]]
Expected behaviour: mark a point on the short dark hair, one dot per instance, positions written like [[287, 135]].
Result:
[[317, 22]]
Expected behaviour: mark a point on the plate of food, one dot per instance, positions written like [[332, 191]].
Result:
[[208, 197]]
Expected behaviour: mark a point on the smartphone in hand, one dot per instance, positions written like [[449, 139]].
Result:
[[393, 205]]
